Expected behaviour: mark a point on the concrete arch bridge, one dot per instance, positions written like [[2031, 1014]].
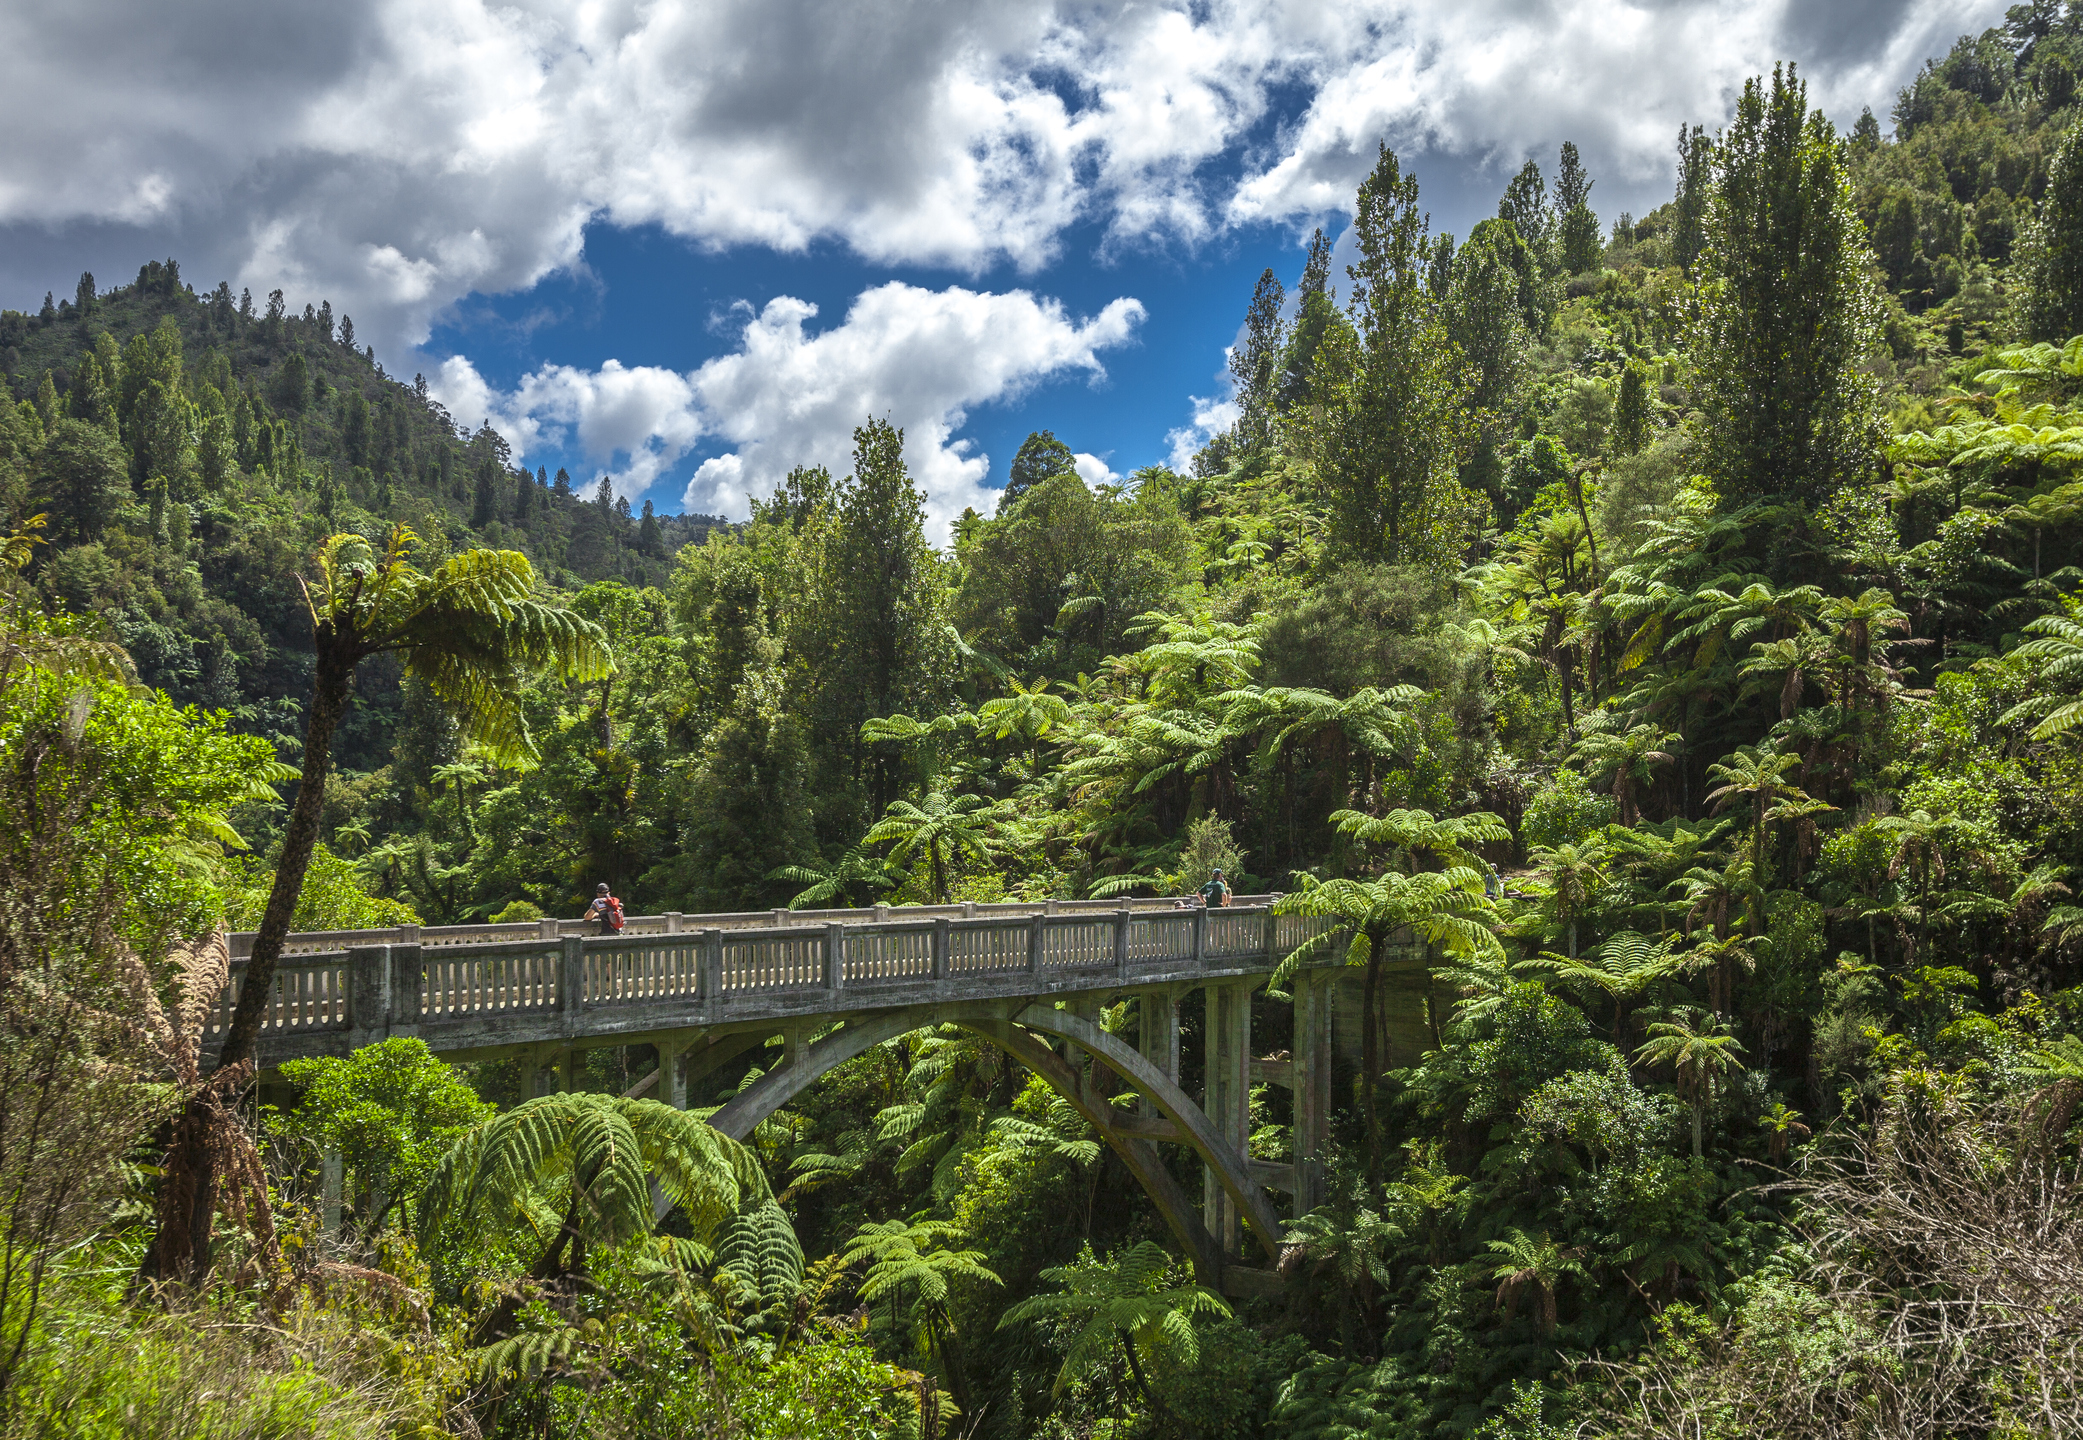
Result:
[[707, 990]]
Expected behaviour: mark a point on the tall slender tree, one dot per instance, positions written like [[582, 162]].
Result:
[[877, 606], [1255, 362], [1390, 423], [1695, 180], [1316, 311], [2050, 254], [1788, 311], [1577, 226], [471, 628], [1525, 204]]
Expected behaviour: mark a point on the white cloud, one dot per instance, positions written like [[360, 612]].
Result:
[[396, 155], [1488, 82], [789, 396], [1211, 416], [1093, 470]]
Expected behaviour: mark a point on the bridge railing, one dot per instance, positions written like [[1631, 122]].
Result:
[[714, 971], [311, 942]]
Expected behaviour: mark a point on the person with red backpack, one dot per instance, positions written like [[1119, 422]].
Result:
[[606, 909]]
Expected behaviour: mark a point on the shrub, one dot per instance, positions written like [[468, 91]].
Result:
[[1564, 811]]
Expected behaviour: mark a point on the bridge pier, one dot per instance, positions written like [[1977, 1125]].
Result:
[[1311, 1070], [672, 1074], [1157, 1038], [1227, 1100]]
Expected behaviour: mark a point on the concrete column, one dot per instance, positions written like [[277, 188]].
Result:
[[1227, 1101], [943, 932], [571, 978], [672, 1075], [711, 980], [835, 957], [331, 1183], [1157, 1025], [673, 922], [368, 994], [1034, 944], [408, 986], [1312, 1075]]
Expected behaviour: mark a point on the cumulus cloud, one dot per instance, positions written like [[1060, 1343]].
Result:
[[1211, 416], [789, 395], [397, 155], [1488, 82], [1093, 470]]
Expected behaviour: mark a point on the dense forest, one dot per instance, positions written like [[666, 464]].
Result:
[[1675, 619]]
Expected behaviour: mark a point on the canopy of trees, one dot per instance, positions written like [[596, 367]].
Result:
[[1676, 621]]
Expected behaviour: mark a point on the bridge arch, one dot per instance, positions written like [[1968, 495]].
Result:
[[1019, 1029]]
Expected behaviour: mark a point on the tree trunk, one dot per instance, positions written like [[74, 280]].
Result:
[[1135, 1368], [188, 1177], [1370, 1067], [328, 704], [950, 1347]]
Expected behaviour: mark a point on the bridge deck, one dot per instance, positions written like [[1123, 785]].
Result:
[[476, 991]]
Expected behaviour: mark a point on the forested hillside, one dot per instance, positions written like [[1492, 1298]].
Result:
[[1675, 620], [189, 451]]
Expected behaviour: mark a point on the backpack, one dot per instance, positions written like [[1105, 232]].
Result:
[[613, 914]]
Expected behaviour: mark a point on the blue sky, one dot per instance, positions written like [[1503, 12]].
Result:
[[694, 242], [646, 297]]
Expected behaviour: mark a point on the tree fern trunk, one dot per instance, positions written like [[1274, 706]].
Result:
[[329, 693], [188, 1177]]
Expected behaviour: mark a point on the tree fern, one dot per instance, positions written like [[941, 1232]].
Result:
[[1123, 1300], [759, 1246], [590, 1160], [528, 1356]]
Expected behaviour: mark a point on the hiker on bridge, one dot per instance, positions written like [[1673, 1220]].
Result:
[[606, 909], [1216, 892]]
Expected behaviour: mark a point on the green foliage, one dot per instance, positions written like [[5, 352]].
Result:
[[390, 1111], [341, 1370], [167, 781], [1387, 408], [1565, 811], [1739, 700], [574, 1172], [941, 830], [1125, 1300], [1784, 292], [1041, 457], [2050, 262], [758, 1245], [333, 898]]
